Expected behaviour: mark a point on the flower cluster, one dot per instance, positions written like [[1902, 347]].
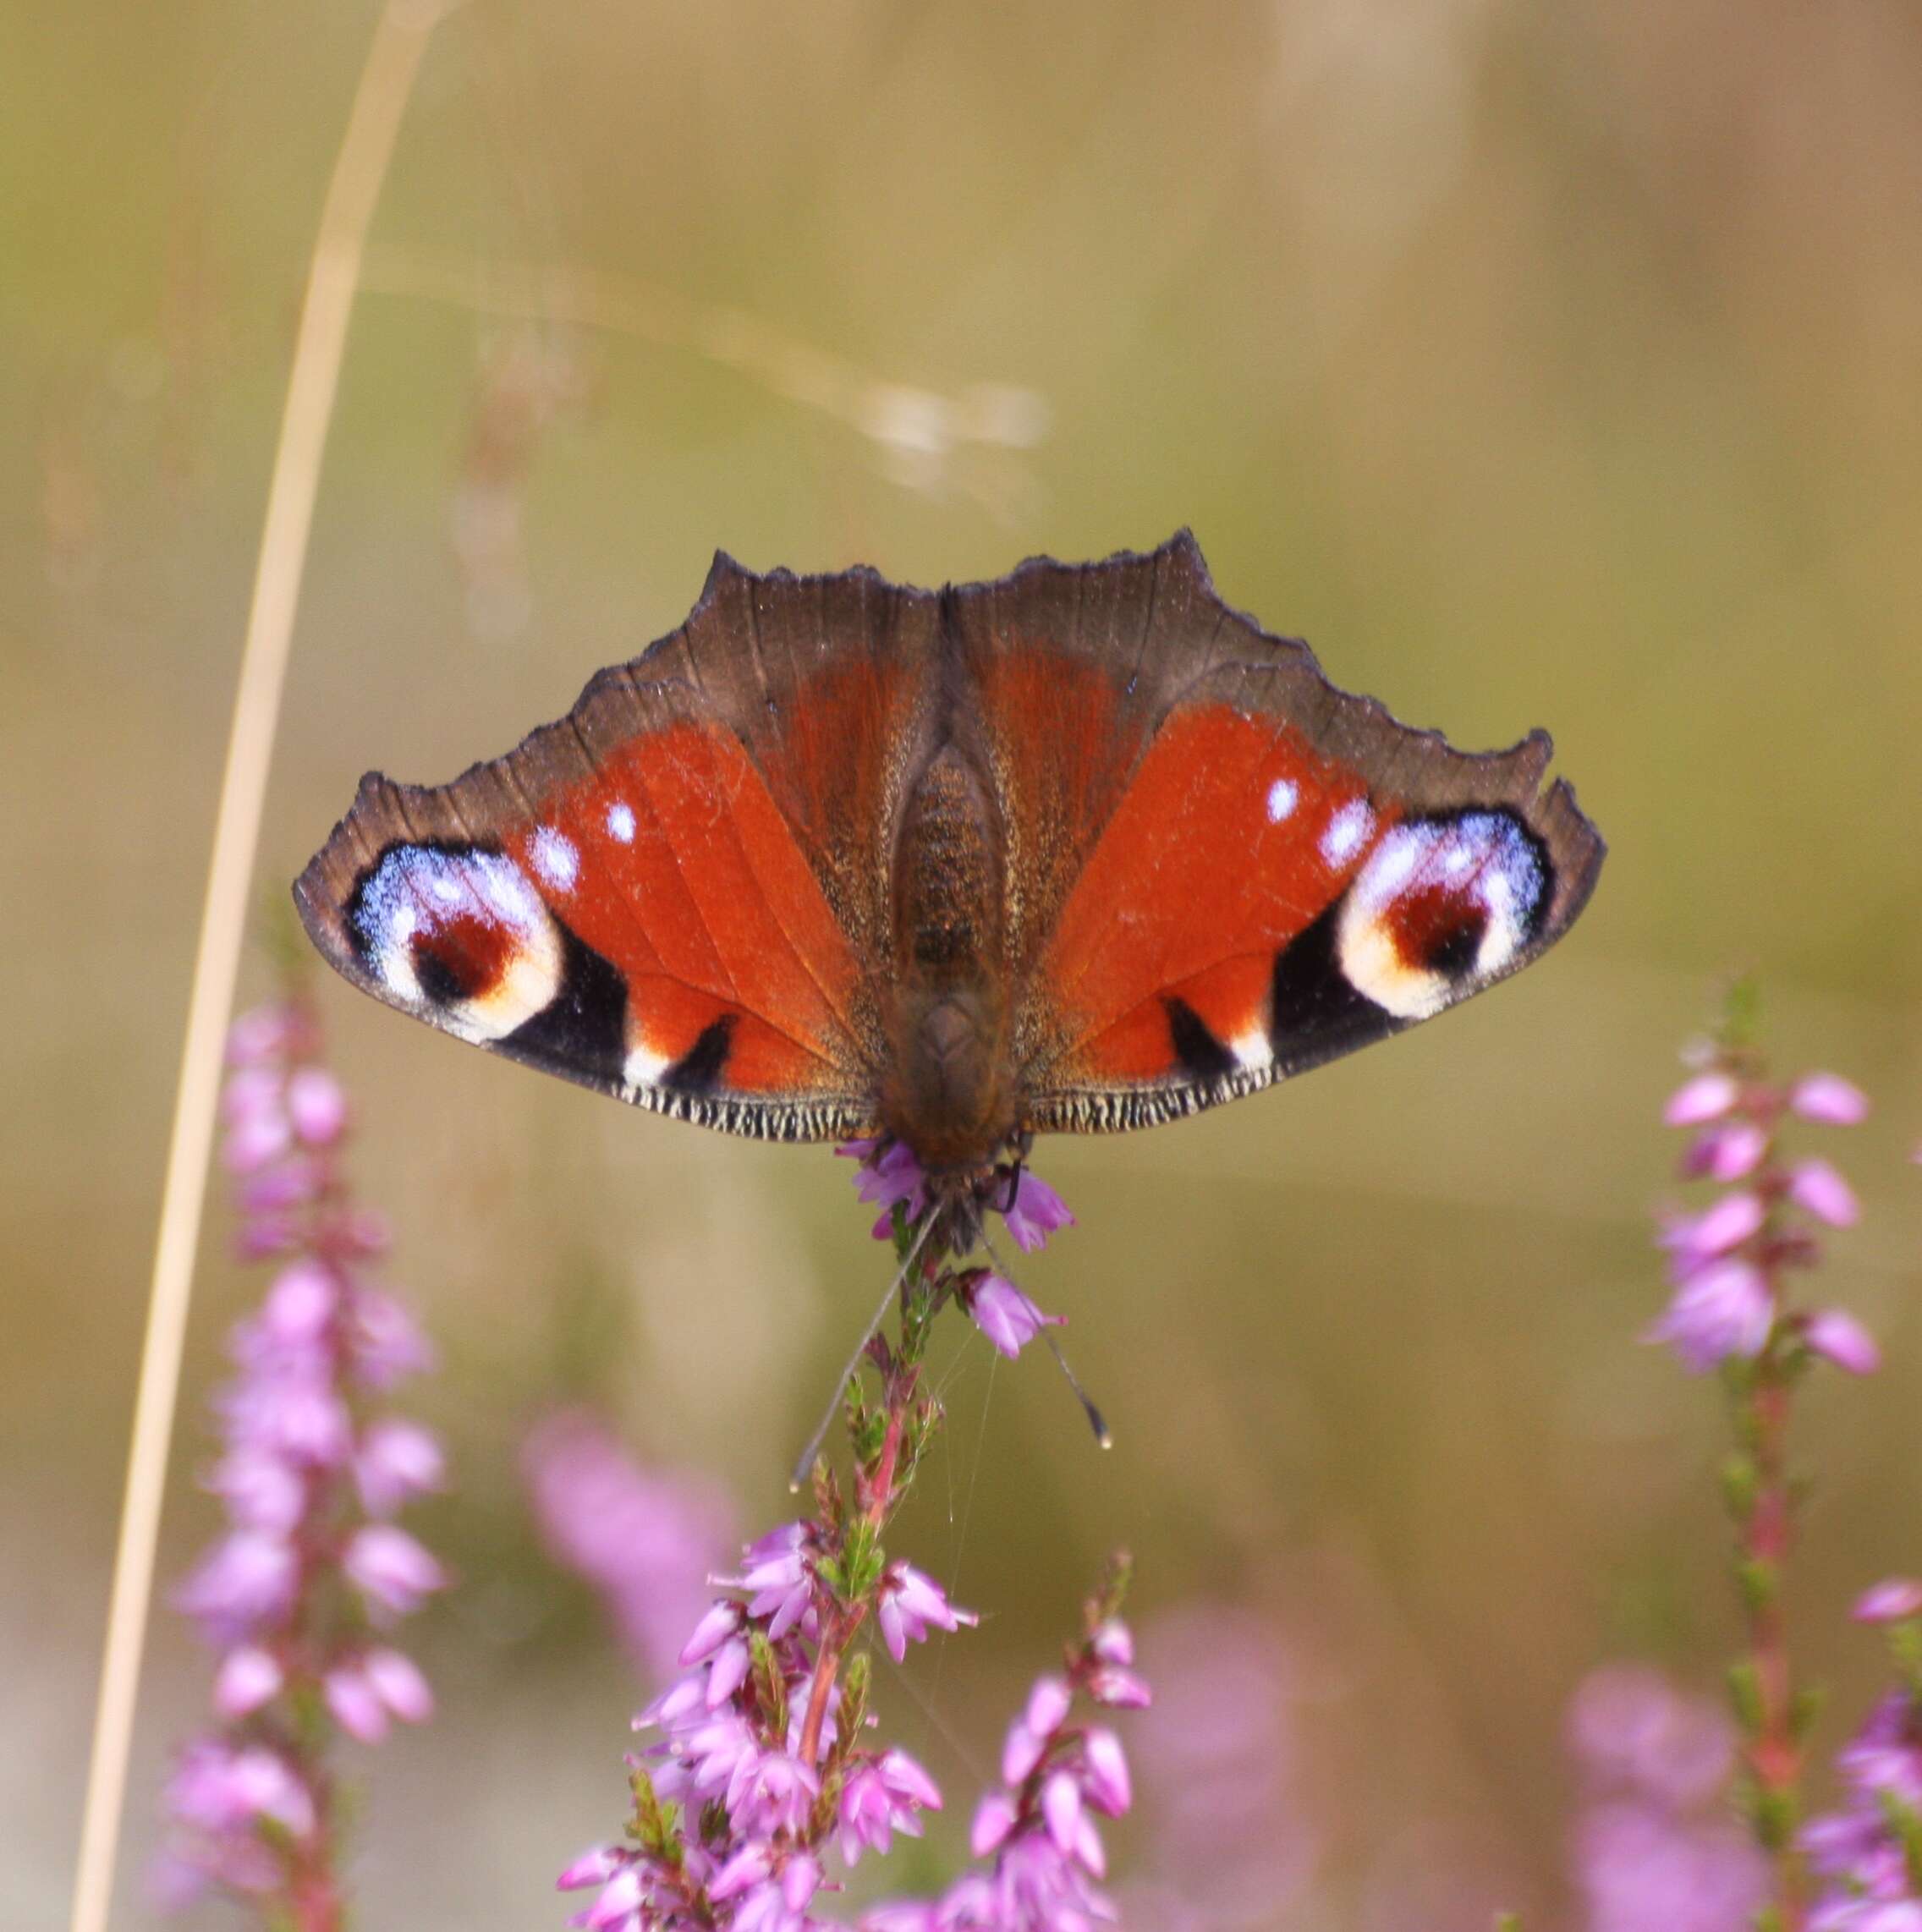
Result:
[[1868, 1853], [645, 1540], [299, 1593], [892, 1179], [1727, 1263], [1038, 1828], [759, 1781], [1653, 1845]]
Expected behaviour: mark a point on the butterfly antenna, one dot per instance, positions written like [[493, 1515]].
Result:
[[804, 1468], [1096, 1421]]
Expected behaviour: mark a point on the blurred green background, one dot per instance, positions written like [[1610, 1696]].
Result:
[[1542, 365]]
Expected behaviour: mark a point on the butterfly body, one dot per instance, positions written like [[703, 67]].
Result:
[[1079, 849]]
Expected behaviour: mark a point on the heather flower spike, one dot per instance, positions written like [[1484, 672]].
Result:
[[1868, 1852], [1730, 1266], [761, 1775], [299, 1593]]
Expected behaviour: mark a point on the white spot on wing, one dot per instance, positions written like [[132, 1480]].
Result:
[[1347, 832], [1282, 797], [644, 1067], [620, 821], [555, 860], [1252, 1050]]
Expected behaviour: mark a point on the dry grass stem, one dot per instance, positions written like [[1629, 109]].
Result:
[[392, 60]]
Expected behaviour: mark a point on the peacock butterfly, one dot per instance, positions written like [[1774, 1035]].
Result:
[[1079, 850]]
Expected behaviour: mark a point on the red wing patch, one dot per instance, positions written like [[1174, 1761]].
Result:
[[1254, 908], [653, 931]]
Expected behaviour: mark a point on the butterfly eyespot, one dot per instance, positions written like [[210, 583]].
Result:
[[459, 931], [1442, 906]]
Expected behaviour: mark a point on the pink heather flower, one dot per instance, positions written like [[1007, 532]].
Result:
[[387, 1344], [1839, 1338], [1706, 1097], [1722, 1310], [994, 1819], [396, 1461], [882, 1798], [1861, 1849], [1829, 1098], [247, 1678], [1117, 1689], [593, 1867], [262, 1491], [316, 1108], [1729, 1153], [911, 1604], [398, 1683], [1104, 1767], [247, 1580], [1893, 1601], [770, 1792], [306, 1454], [1731, 1222], [779, 1578], [888, 1174], [215, 1788], [1815, 1186], [1113, 1642], [1034, 1211], [354, 1704], [1008, 1318], [391, 1569]]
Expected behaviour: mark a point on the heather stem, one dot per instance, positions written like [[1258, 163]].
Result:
[[883, 1489]]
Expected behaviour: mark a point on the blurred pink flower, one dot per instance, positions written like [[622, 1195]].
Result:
[[1829, 1098], [647, 1539], [311, 1459], [1654, 1851], [1230, 1835]]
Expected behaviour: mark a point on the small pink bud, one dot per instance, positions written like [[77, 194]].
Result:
[[729, 1671], [1706, 1097], [1727, 1225], [356, 1708], [993, 1820], [1891, 1602], [595, 1867], [248, 1677], [397, 1681], [721, 1621], [1114, 1643], [1109, 1789], [1841, 1339], [1738, 1150], [1047, 1705], [1818, 1187], [1119, 1690], [1829, 1098], [1019, 1754], [317, 1106], [1061, 1809]]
